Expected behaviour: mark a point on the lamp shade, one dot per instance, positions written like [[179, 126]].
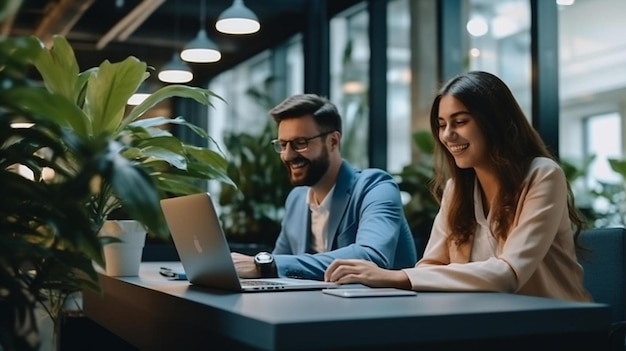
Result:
[[238, 19], [137, 98], [141, 94], [201, 49], [175, 71]]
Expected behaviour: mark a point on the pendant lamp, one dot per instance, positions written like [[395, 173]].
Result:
[[175, 71], [142, 93], [238, 19], [137, 98], [201, 49]]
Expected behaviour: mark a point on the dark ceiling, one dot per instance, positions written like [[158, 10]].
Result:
[[89, 24]]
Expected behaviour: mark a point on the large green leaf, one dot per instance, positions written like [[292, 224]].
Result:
[[47, 105], [174, 159], [424, 141], [207, 156], [212, 164], [137, 192], [161, 121], [108, 90], [200, 95], [16, 54], [170, 143], [177, 184], [618, 166], [58, 68]]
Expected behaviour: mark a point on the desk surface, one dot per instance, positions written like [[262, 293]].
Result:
[[138, 308]]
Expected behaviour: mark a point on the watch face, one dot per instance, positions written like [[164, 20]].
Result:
[[263, 257]]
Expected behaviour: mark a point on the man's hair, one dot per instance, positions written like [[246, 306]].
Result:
[[322, 110]]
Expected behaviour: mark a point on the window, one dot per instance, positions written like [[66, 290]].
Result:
[[603, 139], [349, 65], [398, 85], [499, 42], [592, 57]]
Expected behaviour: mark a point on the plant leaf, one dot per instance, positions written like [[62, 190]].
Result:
[[47, 105], [108, 90], [58, 68], [200, 95]]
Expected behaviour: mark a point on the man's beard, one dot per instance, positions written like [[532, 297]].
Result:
[[316, 169]]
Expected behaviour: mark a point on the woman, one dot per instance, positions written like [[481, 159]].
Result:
[[507, 220]]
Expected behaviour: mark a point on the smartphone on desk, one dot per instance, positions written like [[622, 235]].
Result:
[[368, 292]]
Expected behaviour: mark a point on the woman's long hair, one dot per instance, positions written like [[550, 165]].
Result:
[[512, 143]]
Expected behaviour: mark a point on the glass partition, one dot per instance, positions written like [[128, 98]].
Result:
[[499, 42], [592, 57], [349, 66], [398, 85]]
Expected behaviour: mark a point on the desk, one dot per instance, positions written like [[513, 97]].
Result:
[[153, 313]]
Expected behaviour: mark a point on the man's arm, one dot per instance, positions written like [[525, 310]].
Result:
[[370, 229]]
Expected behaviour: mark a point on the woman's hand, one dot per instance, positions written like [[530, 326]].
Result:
[[366, 273]]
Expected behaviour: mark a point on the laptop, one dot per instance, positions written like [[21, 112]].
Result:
[[204, 252]]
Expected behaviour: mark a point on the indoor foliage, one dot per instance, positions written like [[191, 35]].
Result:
[[87, 156]]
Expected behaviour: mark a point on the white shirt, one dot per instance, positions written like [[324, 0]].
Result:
[[319, 220], [485, 244]]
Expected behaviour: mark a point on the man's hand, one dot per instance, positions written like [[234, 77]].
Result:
[[245, 265]]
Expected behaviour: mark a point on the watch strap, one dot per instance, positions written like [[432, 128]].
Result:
[[268, 270]]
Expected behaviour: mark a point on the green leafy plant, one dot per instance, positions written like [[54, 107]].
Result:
[[93, 104], [576, 173], [99, 158], [414, 182], [253, 212], [47, 237], [614, 195]]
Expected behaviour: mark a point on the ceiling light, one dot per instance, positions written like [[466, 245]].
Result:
[[201, 49], [142, 93], [238, 19], [175, 71], [17, 125], [137, 98], [477, 26]]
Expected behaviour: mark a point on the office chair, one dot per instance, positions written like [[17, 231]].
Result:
[[604, 263]]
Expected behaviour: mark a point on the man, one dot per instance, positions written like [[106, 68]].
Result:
[[335, 211]]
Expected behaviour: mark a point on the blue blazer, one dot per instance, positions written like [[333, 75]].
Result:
[[366, 221]]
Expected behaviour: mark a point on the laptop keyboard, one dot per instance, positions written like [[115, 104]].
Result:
[[260, 283]]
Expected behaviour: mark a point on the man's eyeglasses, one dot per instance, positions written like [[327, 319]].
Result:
[[297, 144]]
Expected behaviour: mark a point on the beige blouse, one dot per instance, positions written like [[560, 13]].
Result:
[[538, 257]]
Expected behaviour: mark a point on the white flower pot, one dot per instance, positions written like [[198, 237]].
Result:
[[123, 258]]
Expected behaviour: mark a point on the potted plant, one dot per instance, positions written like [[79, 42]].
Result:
[[420, 206], [614, 196], [47, 240], [93, 104], [576, 173], [102, 159], [252, 212]]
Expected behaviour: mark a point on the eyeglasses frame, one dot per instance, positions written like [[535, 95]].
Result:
[[276, 143]]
